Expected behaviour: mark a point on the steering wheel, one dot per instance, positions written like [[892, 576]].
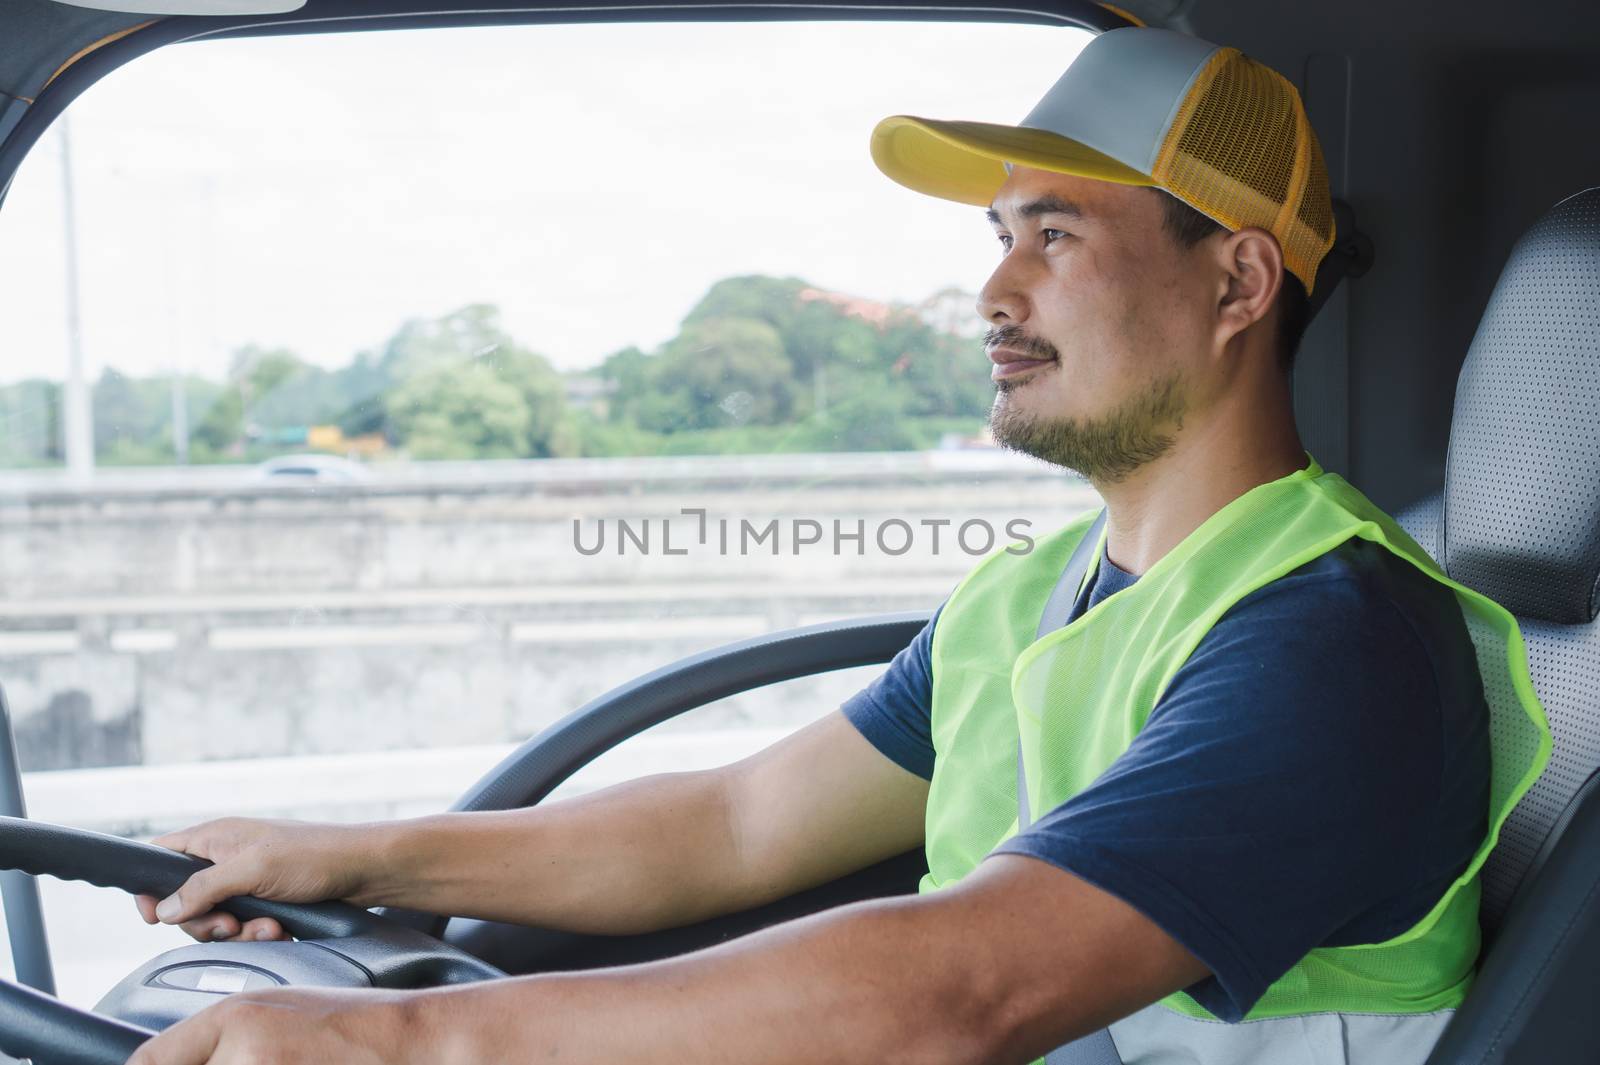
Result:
[[339, 945]]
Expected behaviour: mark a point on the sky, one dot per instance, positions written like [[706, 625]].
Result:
[[593, 181]]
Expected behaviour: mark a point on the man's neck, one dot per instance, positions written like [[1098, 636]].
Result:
[[1157, 506]]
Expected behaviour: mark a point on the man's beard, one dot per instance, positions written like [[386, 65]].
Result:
[[1104, 450]]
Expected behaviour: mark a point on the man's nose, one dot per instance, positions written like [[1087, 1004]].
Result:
[[1000, 301]]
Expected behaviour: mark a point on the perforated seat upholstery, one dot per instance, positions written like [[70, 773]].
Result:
[[1518, 519]]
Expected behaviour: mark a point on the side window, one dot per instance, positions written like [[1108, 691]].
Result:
[[431, 383]]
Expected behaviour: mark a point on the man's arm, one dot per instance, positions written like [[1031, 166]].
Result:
[[1014, 960], [652, 853]]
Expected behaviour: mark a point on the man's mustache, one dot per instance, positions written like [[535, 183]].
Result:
[[1012, 336]]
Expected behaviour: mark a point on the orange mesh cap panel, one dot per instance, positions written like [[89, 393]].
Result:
[[1241, 151]]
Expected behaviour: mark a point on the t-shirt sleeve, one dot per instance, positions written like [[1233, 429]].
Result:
[[1283, 786], [895, 711]]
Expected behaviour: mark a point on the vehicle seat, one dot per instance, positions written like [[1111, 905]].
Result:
[[1518, 519]]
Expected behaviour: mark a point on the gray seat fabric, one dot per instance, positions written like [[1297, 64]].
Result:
[[1564, 661], [1421, 520], [1518, 519]]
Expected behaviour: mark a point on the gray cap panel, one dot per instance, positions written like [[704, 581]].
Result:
[[1120, 94]]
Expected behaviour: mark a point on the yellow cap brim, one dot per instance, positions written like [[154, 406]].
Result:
[[965, 161]]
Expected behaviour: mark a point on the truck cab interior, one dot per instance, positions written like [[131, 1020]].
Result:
[[1452, 372]]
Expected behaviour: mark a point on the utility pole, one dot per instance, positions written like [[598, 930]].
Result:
[[180, 419], [175, 338], [77, 414]]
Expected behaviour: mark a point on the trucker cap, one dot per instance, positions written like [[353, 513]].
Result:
[[1141, 106]]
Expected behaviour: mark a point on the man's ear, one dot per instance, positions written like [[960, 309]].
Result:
[[1252, 269]]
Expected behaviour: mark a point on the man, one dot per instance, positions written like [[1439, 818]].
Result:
[[1244, 775]]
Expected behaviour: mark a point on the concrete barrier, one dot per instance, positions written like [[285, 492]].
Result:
[[164, 617]]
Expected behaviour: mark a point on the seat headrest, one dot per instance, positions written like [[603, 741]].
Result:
[[1521, 514]]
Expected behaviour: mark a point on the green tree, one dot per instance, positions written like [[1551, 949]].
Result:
[[629, 372], [30, 423], [774, 300], [360, 389], [460, 411], [130, 416], [943, 374], [759, 364], [864, 415], [470, 342], [551, 432], [419, 344], [263, 383], [720, 371], [767, 351], [219, 427]]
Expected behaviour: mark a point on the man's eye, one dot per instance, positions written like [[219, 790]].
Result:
[[1050, 236]]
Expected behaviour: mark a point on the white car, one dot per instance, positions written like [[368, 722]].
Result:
[[311, 469]]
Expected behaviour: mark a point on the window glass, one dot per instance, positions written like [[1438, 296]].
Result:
[[440, 381]]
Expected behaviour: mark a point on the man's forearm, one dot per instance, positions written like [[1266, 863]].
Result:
[[665, 850], [1017, 958], [648, 854]]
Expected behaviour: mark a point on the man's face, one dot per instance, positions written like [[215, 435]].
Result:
[[1101, 324]]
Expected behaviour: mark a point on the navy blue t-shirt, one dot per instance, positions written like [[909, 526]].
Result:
[[1316, 773]]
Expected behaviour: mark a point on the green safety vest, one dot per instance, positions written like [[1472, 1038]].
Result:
[[1078, 696]]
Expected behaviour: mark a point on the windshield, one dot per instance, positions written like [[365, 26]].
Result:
[[432, 383]]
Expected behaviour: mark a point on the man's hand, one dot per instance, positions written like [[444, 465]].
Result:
[[294, 1025], [289, 861]]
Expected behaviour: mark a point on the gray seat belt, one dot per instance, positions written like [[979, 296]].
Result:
[[1095, 1048], [1057, 609]]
